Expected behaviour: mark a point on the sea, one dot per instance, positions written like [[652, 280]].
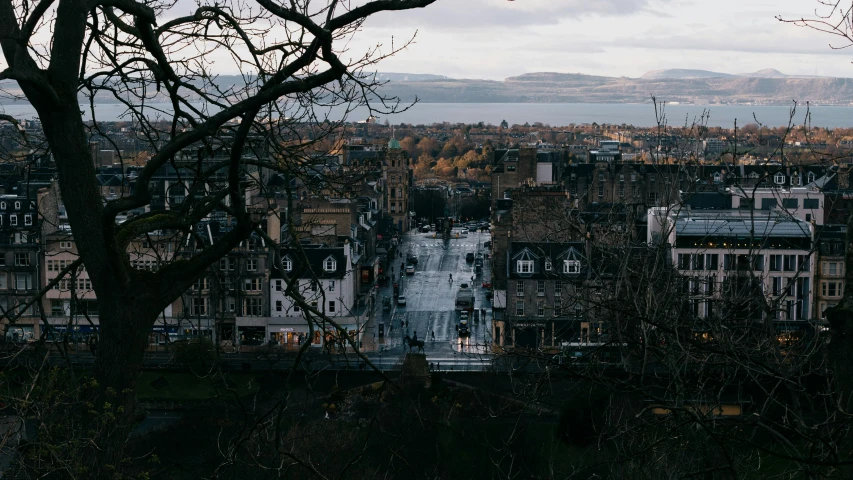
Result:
[[561, 114]]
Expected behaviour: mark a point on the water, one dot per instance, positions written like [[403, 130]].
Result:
[[559, 114]]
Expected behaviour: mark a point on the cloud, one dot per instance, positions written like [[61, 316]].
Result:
[[500, 14]]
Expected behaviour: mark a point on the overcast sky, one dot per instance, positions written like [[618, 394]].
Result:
[[495, 39]]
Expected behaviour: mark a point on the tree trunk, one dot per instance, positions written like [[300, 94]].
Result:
[[122, 343]]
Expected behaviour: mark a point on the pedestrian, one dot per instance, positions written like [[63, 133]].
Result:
[[433, 335]]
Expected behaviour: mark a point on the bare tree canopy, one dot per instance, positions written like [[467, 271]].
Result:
[[293, 62]]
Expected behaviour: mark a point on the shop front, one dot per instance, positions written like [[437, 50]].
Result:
[[292, 332]]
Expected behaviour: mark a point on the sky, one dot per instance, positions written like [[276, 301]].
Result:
[[495, 39]]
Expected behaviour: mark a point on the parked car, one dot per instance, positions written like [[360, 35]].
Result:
[[469, 257], [410, 270], [401, 301]]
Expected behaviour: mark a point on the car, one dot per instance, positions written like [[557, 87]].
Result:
[[401, 301], [487, 244], [469, 257], [413, 260], [464, 231], [425, 229], [487, 284], [410, 270], [463, 286]]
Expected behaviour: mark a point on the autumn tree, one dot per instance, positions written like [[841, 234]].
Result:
[[158, 65]]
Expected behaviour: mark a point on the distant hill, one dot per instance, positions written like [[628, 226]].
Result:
[[767, 87], [766, 73]]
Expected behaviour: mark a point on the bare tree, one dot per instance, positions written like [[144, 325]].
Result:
[[293, 62]]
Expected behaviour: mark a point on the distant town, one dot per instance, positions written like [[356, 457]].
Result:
[[582, 182]]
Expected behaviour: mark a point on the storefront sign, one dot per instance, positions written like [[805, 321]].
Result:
[[286, 329]]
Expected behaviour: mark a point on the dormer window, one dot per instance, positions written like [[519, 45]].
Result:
[[525, 266], [810, 178], [717, 177], [571, 266], [17, 205], [2, 205], [779, 179], [287, 264], [548, 265], [330, 264]]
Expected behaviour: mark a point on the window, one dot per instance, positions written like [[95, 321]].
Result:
[[28, 220], [548, 265], [279, 306], [600, 189], [558, 308], [330, 265], [252, 264], [331, 306], [698, 261], [287, 264], [571, 266], [17, 205], [519, 309], [223, 264], [831, 289], [252, 307], [201, 284], [65, 245], [776, 284], [768, 203], [775, 263], [22, 259], [199, 306], [803, 262], [652, 198], [3, 285], [331, 285], [252, 285], [684, 261], [811, 203], [558, 288], [56, 308], [278, 285], [712, 261], [779, 178], [13, 219], [790, 203], [524, 266], [540, 309], [2, 205], [810, 178], [232, 305], [789, 263], [540, 288], [23, 281], [21, 238], [578, 310], [519, 289], [832, 268]]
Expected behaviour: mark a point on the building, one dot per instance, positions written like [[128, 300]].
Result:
[[397, 179], [738, 265], [325, 278], [20, 258]]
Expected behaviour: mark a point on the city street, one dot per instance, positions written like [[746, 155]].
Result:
[[430, 301]]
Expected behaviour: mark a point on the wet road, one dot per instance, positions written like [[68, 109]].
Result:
[[430, 299]]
